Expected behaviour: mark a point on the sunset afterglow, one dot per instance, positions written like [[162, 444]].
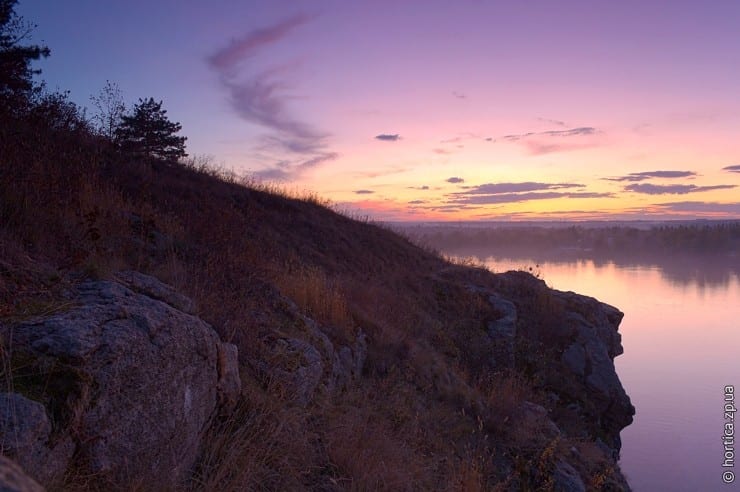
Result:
[[452, 111]]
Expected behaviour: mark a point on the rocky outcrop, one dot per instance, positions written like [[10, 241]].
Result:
[[25, 436], [502, 331], [14, 479], [568, 342], [308, 362], [591, 342], [126, 375]]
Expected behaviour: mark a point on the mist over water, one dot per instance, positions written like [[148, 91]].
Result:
[[681, 334]]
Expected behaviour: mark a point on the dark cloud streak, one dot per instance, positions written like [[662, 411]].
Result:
[[679, 189], [388, 137], [653, 174]]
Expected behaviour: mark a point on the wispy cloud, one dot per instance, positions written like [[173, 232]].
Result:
[[388, 137], [459, 95], [228, 58], [455, 179], [423, 187], [520, 192], [441, 151], [573, 132], [732, 169], [702, 207], [524, 197], [679, 189], [260, 97], [364, 192], [497, 188], [288, 169], [652, 174], [417, 202], [554, 140], [552, 122]]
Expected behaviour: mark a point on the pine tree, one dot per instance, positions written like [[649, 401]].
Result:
[[148, 132], [16, 74]]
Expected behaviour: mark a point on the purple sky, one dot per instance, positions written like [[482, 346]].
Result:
[[537, 109]]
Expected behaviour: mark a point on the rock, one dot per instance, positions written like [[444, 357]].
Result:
[[592, 328], [574, 358], [503, 331], [151, 287], [566, 478], [14, 479], [535, 417], [348, 363], [229, 383], [302, 380], [25, 433], [141, 377]]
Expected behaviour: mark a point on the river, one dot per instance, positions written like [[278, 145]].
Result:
[[681, 336]]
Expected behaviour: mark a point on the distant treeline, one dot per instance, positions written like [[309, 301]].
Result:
[[571, 241]]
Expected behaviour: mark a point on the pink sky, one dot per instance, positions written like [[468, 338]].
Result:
[[435, 110]]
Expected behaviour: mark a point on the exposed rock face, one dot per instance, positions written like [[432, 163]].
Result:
[[309, 363], [503, 331], [14, 479], [575, 340], [591, 343], [131, 378], [25, 436]]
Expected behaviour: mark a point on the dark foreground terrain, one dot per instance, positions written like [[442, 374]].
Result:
[[167, 327]]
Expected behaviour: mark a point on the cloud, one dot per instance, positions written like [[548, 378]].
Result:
[[416, 202], [681, 189], [364, 192], [702, 207], [653, 174], [573, 132], [554, 140], [552, 122], [286, 170], [260, 98], [424, 187], [459, 95], [524, 197], [229, 57], [519, 192], [732, 169], [455, 179], [388, 137], [441, 151], [497, 188]]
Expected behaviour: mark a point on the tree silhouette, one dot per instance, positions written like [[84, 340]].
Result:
[[16, 75], [148, 132], [110, 109]]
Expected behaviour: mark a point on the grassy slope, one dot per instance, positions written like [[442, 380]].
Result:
[[429, 411]]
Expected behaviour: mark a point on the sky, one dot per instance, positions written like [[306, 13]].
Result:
[[434, 110]]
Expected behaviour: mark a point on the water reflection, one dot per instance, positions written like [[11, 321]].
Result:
[[680, 334], [704, 271]]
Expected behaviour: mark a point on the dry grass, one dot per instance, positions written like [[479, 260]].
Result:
[[421, 416]]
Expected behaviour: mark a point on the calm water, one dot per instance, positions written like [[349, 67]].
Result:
[[681, 336]]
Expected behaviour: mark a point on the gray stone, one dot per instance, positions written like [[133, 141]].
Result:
[[502, 332], [574, 358], [303, 380], [14, 479], [151, 287], [566, 478], [147, 377], [25, 433], [229, 382]]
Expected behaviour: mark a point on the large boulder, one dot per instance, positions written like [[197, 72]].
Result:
[[129, 376], [14, 479], [25, 436]]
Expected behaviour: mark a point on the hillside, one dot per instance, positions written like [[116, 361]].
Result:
[[366, 361]]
